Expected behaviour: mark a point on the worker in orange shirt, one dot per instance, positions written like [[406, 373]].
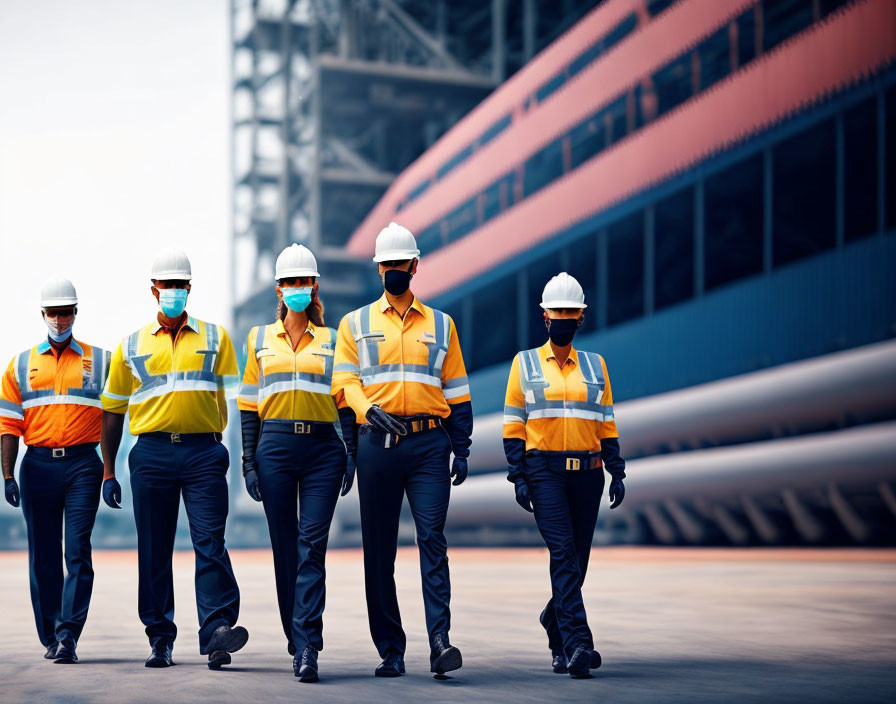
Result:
[[51, 397]]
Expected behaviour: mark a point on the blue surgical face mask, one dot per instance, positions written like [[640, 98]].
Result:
[[53, 330], [296, 298], [172, 301]]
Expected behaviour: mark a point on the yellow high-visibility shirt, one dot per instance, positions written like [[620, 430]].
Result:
[[407, 366], [172, 386], [556, 409], [292, 385], [53, 400]]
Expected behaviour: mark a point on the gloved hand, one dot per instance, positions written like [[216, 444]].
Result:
[[383, 422], [112, 492], [522, 494], [12, 491], [617, 492], [349, 477], [253, 488], [459, 470]]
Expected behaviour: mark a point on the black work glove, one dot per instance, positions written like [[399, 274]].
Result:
[[349, 477], [12, 491], [383, 422], [459, 470], [253, 487], [617, 492], [112, 492], [522, 494]]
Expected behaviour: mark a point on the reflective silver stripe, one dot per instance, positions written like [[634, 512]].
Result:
[[513, 419], [248, 393], [459, 381], [384, 377], [11, 414], [347, 367], [8, 409], [280, 387], [569, 413], [62, 400], [514, 411], [456, 393], [115, 397], [174, 385]]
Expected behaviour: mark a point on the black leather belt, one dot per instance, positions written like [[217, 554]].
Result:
[[183, 437], [413, 425], [297, 427], [57, 453], [570, 461]]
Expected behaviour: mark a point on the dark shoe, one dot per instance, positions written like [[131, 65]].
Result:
[[579, 663], [304, 666], [595, 660], [558, 663], [66, 654], [391, 666], [51, 651], [444, 657], [225, 640], [160, 656]]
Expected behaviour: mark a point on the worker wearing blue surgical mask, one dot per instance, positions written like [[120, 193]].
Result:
[[293, 459]]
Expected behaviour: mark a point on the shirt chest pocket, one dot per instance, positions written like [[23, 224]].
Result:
[[266, 361], [322, 360], [368, 344]]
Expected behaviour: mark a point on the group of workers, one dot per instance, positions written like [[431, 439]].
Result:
[[386, 397]]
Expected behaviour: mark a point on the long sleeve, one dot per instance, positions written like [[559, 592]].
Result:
[[247, 400], [455, 385], [250, 424], [349, 430], [607, 427], [609, 453], [514, 423], [347, 388], [459, 425]]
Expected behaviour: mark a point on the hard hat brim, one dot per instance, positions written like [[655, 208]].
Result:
[[292, 273], [397, 255], [172, 276], [562, 304], [58, 302]]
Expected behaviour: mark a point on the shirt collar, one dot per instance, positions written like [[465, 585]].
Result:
[[280, 328], [45, 347], [549, 353], [190, 322], [415, 305]]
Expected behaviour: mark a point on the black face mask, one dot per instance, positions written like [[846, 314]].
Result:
[[562, 330], [397, 281]]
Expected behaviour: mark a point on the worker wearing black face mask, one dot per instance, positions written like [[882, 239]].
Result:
[[559, 434]]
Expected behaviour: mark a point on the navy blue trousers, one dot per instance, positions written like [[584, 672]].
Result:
[[60, 492], [162, 471], [566, 504], [300, 475], [418, 467]]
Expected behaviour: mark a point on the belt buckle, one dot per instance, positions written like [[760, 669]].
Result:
[[300, 427], [58, 452], [416, 426], [175, 437], [573, 464]]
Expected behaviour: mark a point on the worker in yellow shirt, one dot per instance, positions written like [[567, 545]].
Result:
[[50, 397], [559, 433], [169, 376], [399, 373], [297, 466]]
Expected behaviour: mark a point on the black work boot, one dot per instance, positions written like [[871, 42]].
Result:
[[304, 666], [558, 663], [443, 657], [391, 666], [225, 640], [160, 655], [66, 653], [595, 660], [51, 651], [580, 663]]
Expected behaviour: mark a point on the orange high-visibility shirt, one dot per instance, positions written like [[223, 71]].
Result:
[[566, 409], [407, 366], [54, 400]]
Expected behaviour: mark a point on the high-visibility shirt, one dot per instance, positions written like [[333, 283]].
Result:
[[283, 383], [172, 385], [408, 366], [54, 400], [559, 409]]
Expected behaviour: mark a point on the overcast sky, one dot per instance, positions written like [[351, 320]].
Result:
[[114, 142]]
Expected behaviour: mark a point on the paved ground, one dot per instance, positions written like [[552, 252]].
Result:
[[672, 625]]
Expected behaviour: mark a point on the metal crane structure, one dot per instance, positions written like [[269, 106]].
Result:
[[333, 98]]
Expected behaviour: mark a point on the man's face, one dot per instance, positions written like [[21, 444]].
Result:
[[62, 317], [162, 285], [409, 265]]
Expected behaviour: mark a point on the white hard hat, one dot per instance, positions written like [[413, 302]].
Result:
[[293, 261], [58, 291], [395, 244], [563, 291], [171, 264]]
